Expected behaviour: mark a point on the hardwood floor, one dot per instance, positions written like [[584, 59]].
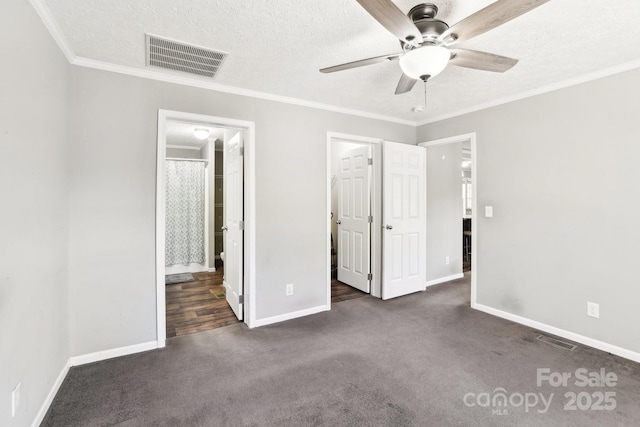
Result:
[[201, 305], [342, 292], [198, 306]]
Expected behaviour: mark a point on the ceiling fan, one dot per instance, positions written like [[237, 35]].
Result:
[[429, 44]]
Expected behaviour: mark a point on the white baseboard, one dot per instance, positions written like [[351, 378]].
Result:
[[52, 394], [84, 359], [289, 316], [212, 270], [600, 345], [111, 353], [444, 279]]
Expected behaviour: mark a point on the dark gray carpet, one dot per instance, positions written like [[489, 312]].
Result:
[[174, 279], [404, 362]]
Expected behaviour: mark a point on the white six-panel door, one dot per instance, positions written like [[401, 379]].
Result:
[[404, 220], [354, 251], [233, 208]]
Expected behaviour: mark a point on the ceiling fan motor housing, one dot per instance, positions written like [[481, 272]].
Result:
[[423, 16], [423, 11]]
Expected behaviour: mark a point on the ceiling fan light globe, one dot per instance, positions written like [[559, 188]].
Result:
[[424, 61]]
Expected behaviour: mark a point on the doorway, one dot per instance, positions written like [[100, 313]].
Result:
[[236, 139], [354, 268], [453, 209], [192, 153], [467, 206], [390, 206]]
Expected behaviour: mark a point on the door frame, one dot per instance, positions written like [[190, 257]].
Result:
[[376, 211], [471, 137], [248, 128]]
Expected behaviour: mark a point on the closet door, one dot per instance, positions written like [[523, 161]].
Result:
[[354, 228], [234, 224], [404, 219]]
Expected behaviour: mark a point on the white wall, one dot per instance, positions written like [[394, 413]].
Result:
[[561, 172], [444, 210], [34, 150], [113, 200]]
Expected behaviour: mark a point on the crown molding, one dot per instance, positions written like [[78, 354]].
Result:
[[50, 23], [187, 81], [170, 78], [621, 68], [47, 18]]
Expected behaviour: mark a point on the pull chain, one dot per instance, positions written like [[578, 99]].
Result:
[[420, 108], [425, 94]]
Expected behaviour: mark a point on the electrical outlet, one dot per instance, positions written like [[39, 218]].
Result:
[[446, 260], [15, 400], [593, 309], [289, 290]]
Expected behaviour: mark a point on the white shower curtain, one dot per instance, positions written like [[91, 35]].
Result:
[[185, 213]]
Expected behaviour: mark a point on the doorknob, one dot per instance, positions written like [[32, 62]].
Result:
[[388, 227], [338, 222], [225, 228]]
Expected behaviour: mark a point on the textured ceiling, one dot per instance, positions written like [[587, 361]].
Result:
[[277, 46]]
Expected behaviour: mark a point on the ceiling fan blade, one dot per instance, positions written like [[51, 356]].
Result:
[[360, 63], [481, 60], [486, 19], [405, 84], [393, 19]]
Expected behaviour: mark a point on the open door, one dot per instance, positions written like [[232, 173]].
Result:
[[233, 223], [404, 220], [354, 227]]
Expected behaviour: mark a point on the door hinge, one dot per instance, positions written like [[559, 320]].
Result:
[[369, 276], [241, 225], [369, 161], [241, 299], [369, 219], [241, 151]]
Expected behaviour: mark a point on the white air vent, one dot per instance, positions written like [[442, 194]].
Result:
[[176, 56]]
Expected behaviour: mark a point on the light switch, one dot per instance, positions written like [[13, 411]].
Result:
[[488, 211]]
